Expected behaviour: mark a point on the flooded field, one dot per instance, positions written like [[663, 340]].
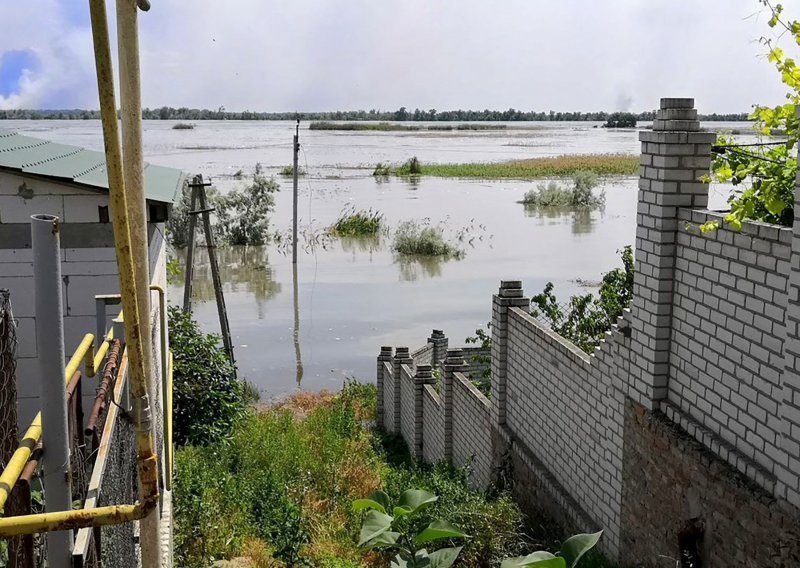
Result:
[[352, 296]]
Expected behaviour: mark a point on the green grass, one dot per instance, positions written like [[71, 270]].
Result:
[[559, 166], [369, 126], [361, 223], [279, 490], [414, 238]]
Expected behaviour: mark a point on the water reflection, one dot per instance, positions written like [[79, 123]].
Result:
[[413, 268], [243, 269], [582, 219], [360, 245]]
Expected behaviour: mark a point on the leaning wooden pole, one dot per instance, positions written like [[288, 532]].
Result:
[[133, 170]]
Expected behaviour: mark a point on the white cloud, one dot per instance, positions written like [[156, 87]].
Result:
[[347, 54]]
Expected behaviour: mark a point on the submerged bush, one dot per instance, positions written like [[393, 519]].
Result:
[[554, 194], [288, 171], [382, 169], [411, 166], [361, 223], [413, 238], [243, 214], [208, 399]]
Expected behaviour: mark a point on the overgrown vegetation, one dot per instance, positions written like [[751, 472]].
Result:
[[414, 238], [483, 340], [586, 318], [764, 176], [183, 126], [558, 166], [412, 166], [370, 126], [242, 215], [208, 399], [357, 223], [279, 490], [555, 194]]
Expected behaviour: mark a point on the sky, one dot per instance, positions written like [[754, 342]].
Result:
[[307, 55]]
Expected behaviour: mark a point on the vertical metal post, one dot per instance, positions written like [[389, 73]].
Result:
[[187, 286], [296, 148], [50, 358]]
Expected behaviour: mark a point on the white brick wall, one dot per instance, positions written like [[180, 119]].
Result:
[[472, 431], [389, 405], [432, 426], [407, 420]]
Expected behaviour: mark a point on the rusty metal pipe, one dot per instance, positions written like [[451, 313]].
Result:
[[104, 387]]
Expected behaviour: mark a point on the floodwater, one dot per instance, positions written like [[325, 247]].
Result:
[[348, 297]]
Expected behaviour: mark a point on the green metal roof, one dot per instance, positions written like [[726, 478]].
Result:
[[80, 166]]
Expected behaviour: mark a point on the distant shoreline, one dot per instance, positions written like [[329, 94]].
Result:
[[401, 115]]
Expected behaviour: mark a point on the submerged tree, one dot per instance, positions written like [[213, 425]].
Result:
[[243, 214]]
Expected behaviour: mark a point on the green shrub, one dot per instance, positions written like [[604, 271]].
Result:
[[554, 194], [208, 399], [586, 319], [243, 214], [413, 238], [288, 171], [382, 169], [361, 223], [621, 120], [411, 166]]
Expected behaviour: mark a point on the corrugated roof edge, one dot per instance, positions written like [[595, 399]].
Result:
[[162, 183]]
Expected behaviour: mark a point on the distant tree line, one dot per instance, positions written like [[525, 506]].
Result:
[[401, 115]]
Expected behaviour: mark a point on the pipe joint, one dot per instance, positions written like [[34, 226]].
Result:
[[142, 416]]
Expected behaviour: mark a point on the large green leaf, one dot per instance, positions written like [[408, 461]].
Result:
[[539, 559], [399, 562], [438, 529], [576, 546], [387, 538], [413, 500], [443, 558], [375, 523], [378, 501]]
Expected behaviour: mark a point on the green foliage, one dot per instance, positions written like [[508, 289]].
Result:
[[764, 176], [183, 126], [412, 166], [572, 550], [382, 530], [414, 238], [208, 399], [557, 166], [357, 223], [288, 171], [243, 214], [621, 120], [380, 127], [580, 194], [586, 319], [288, 476], [178, 222], [382, 169], [483, 339]]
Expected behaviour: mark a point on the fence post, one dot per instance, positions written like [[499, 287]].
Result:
[[50, 358], [439, 342], [454, 363], [401, 357], [788, 472], [509, 295], [384, 357], [423, 376], [675, 155]]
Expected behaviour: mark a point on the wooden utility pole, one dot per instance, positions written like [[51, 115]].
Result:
[[198, 188], [296, 148]]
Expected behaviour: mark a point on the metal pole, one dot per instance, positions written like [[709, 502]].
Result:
[[296, 147], [50, 358], [296, 334], [187, 285], [133, 170]]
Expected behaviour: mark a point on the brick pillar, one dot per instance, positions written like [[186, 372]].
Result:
[[384, 357], [454, 363], [509, 296], [424, 376], [675, 155], [401, 357], [439, 347], [788, 472]]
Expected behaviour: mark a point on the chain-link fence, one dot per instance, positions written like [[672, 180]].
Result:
[[8, 383]]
